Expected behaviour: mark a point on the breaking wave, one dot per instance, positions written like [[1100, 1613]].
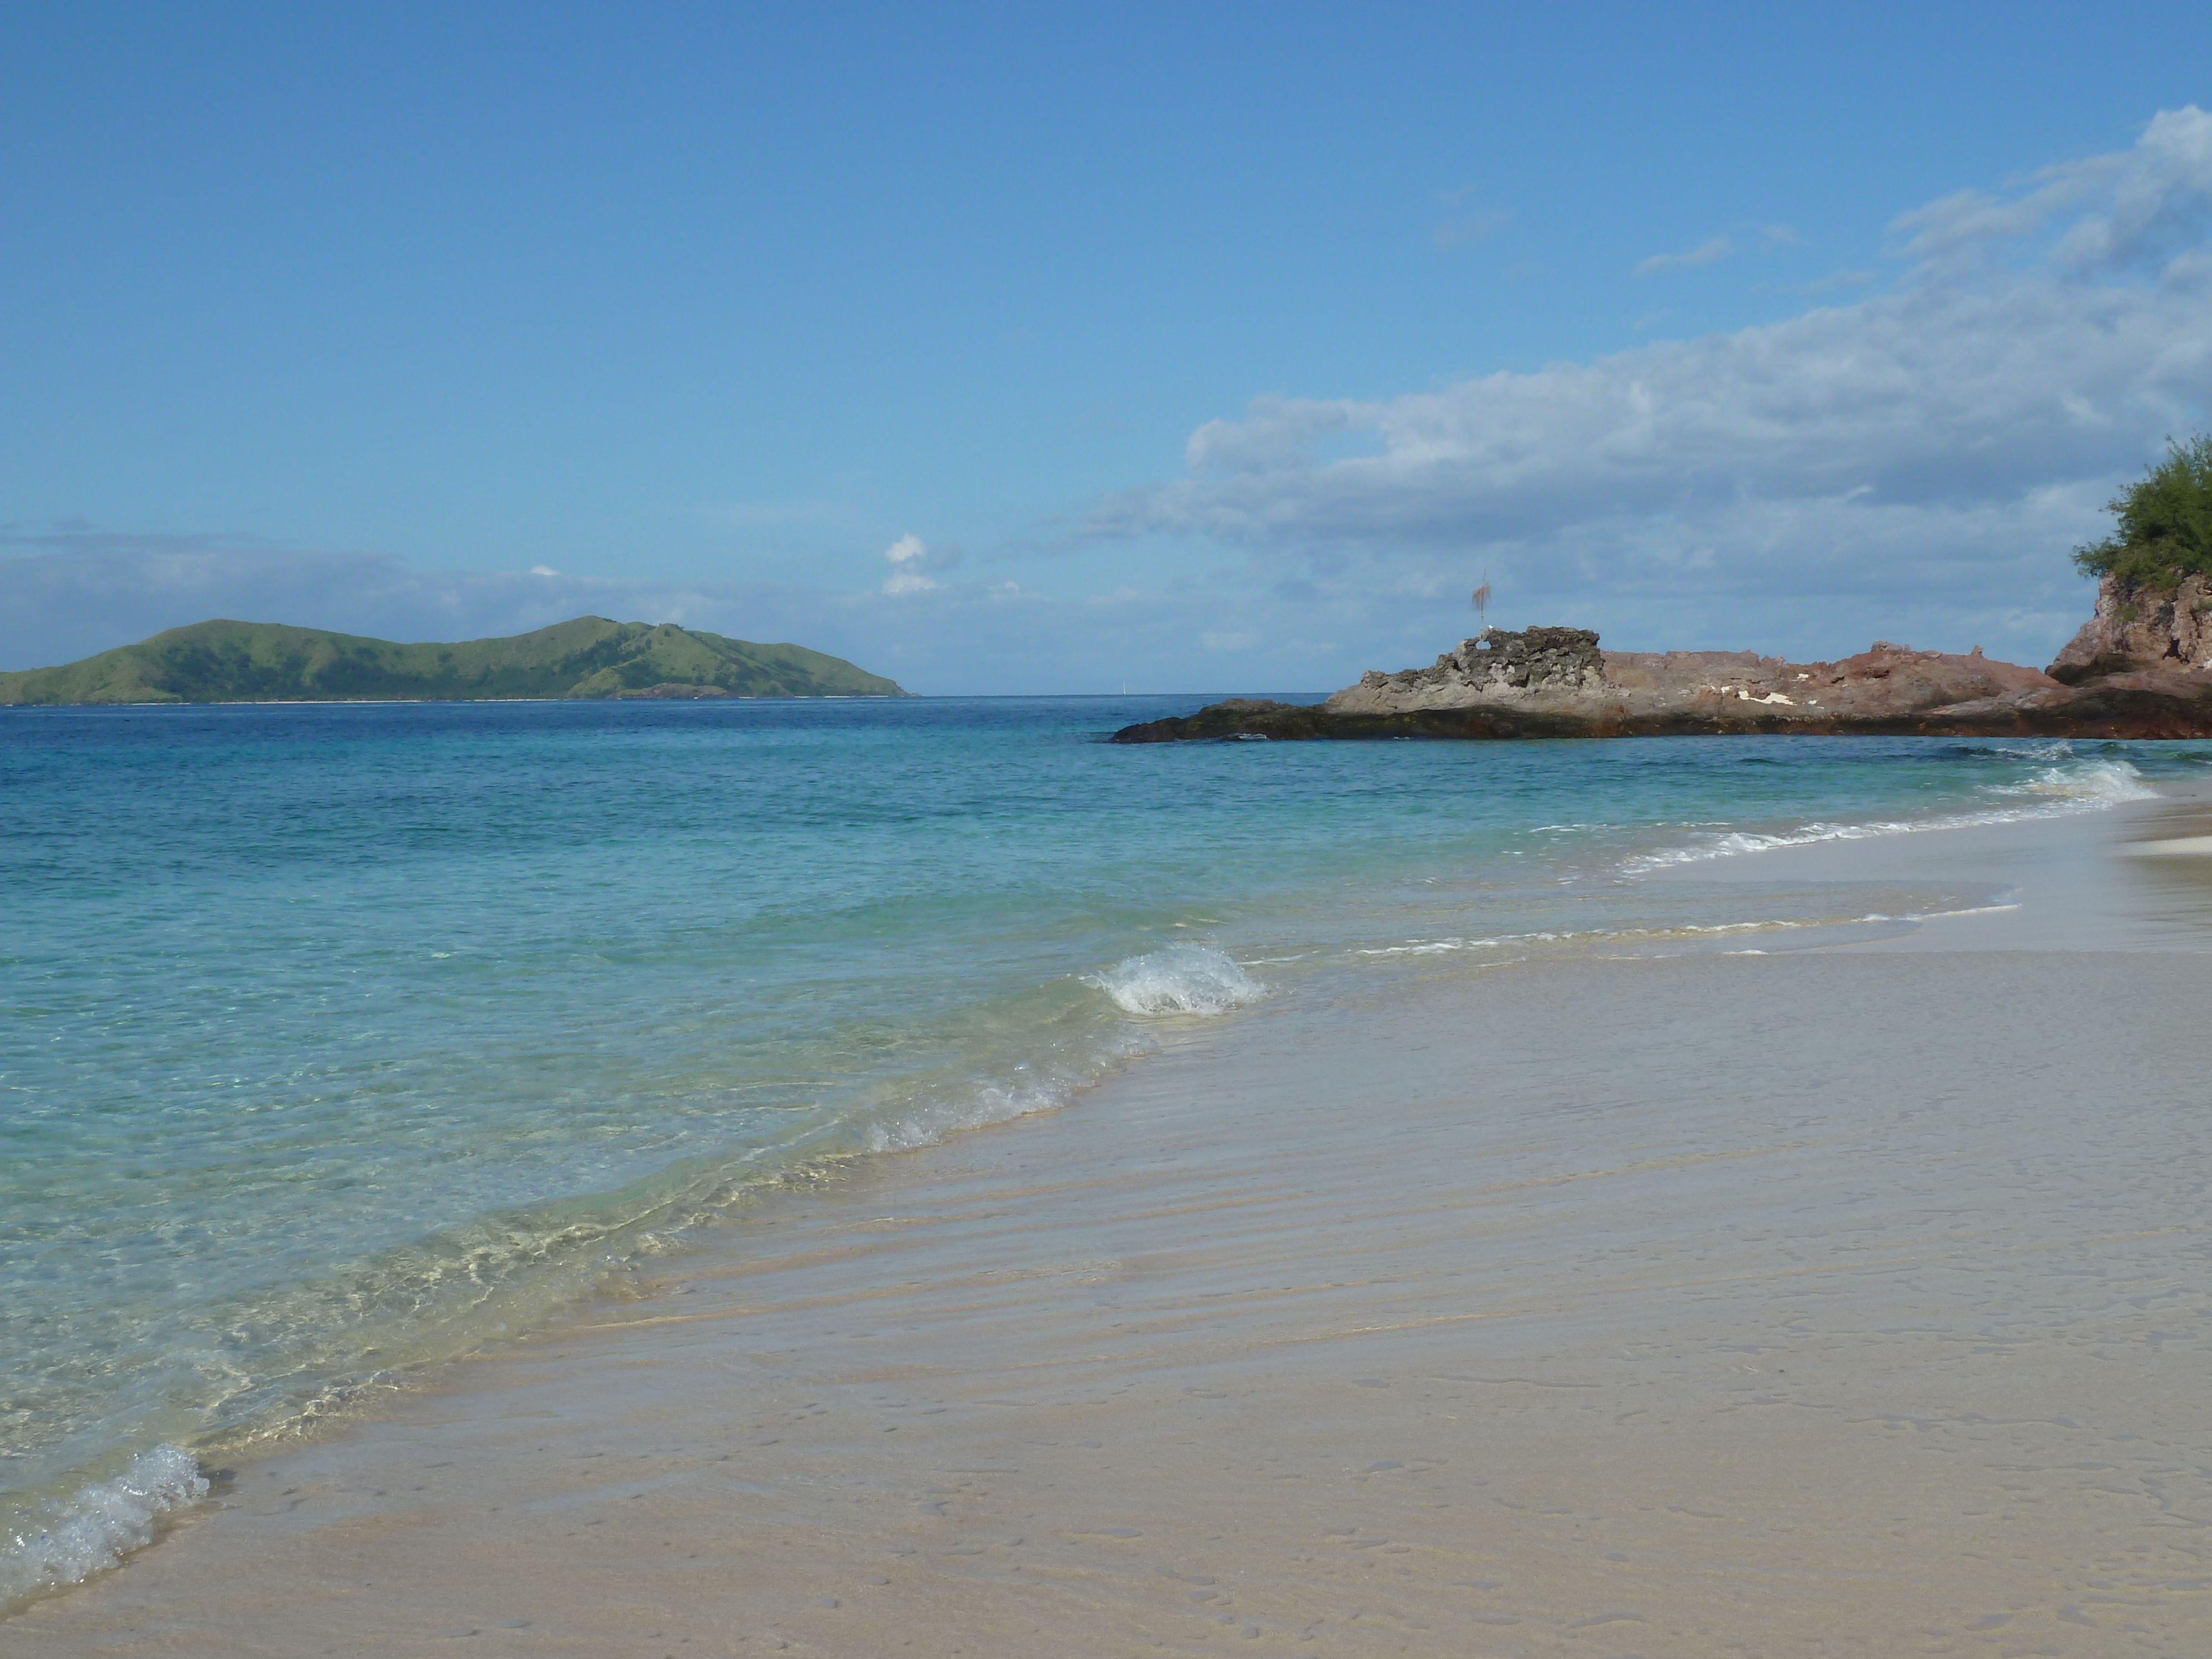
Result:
[[101, 1524], [2097, 783], [1183, 979]]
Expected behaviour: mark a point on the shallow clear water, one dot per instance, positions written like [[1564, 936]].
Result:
[[335, 1039]]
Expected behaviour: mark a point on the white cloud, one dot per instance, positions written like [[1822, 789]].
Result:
[[906, 555], [1911, 465], [1713, 250], [1937, 447], [543, 570], [2145, 203]]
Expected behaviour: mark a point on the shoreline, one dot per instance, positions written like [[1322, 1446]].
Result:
[[2066, 881], [894, 1376]]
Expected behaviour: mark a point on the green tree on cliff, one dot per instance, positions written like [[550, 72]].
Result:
[[2165, 530]]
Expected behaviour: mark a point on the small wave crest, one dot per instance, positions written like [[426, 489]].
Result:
[[101, 1524], [1182, 979], [1041, 1086], [2080, 785], [1630, 939], [2096, 781]]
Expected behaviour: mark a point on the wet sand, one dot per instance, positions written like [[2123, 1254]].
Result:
[[1821, 1303]]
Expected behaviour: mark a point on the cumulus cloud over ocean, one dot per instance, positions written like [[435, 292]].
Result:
[[1939, 445], [1913, 463], [909, 560]]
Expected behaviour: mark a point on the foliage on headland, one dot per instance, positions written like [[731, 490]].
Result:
[[2164, 529], [587, 657]]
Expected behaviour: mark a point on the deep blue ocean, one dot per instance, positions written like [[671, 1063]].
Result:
[[337, 1040]]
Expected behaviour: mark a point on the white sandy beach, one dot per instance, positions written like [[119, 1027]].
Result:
[[1843, 1301]]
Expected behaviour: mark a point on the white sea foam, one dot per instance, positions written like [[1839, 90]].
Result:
[[2099, 782], [1599, 935], [2082, 786], [1689, 931], [100, 1525], [1183, 979]]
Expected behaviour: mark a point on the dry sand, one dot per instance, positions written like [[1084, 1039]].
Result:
[[1815, 1304]]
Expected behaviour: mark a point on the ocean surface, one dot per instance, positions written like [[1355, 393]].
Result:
[[338, 1040]]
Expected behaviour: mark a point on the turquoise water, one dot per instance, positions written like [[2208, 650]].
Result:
[[335, 1040]]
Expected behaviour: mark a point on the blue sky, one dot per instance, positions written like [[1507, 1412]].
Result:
[[1193, 347]]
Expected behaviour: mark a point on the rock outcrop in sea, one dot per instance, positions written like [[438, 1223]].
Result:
[[2141, 668]]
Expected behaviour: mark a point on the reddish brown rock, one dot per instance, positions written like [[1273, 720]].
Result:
[[1556, 682], [2138, 629]]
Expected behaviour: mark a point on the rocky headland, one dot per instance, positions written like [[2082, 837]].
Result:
[[2140, 667]]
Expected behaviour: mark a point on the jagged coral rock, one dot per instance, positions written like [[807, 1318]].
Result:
[[1533, 665], [2137, 627], [1555, 682]]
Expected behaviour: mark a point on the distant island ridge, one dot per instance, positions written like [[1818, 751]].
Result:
[[589, 657]]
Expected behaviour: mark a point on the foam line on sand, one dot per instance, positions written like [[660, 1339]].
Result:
[[2067, 882]]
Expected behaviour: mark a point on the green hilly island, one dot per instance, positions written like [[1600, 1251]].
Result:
[[589, 657]]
